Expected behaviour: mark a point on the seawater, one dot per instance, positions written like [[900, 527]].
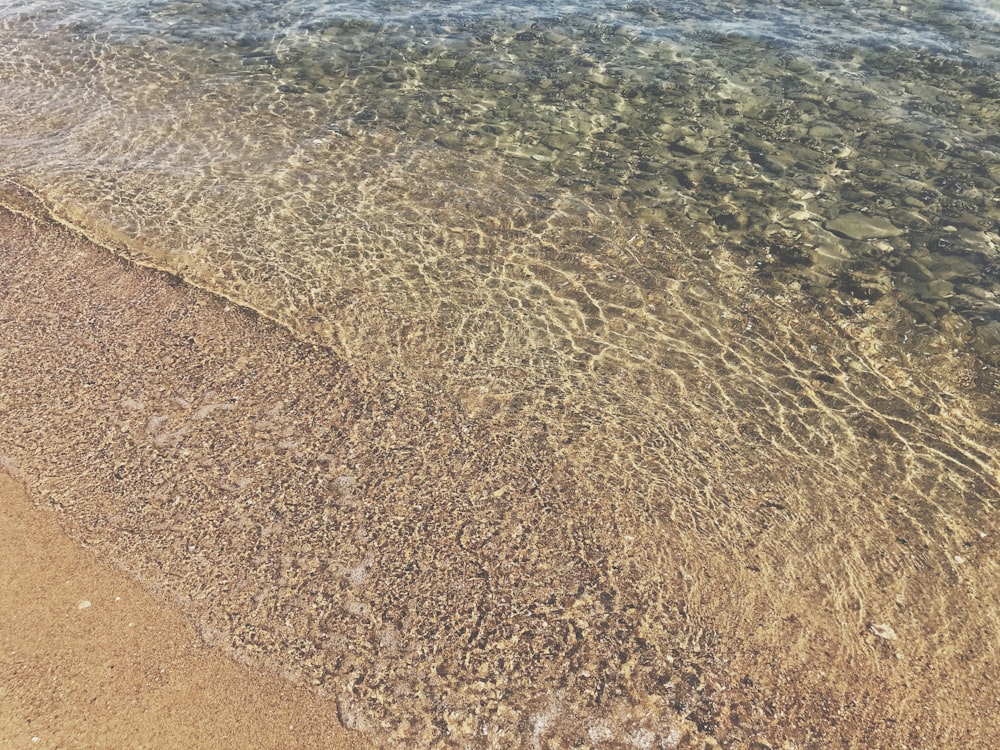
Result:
[[839, 146], [736, 262]]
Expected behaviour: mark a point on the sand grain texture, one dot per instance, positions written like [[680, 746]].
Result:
[[91, 660], [456, 566]]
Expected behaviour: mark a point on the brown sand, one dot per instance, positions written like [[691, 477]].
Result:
[[91, 660], [448, 573]]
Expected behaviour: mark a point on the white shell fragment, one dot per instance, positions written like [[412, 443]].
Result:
[[883, 631]]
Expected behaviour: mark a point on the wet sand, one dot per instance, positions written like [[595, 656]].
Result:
[[438, 573], [91, 660]]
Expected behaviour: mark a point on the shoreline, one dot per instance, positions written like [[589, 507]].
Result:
[[330, 524], [92, 660]]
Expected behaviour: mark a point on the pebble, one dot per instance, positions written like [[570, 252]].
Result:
[[691, 144], [825, 130], [883, 631], [858, 226]]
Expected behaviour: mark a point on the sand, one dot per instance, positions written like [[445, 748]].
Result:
[[374, 549], [91, 660]]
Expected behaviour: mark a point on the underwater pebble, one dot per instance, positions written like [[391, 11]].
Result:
[[690, 144], [825, 130], [858, 226]]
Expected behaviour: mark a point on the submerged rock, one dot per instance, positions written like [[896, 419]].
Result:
[[858, 226]]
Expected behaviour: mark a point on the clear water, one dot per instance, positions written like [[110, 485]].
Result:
[[756, 125], [674, 238]]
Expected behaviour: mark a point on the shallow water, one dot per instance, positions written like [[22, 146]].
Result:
[[756, 125], [732, 268]]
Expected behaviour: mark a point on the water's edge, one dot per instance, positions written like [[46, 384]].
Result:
[[728, 531]]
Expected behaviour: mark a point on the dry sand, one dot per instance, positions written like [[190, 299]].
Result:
[[91, 660]]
